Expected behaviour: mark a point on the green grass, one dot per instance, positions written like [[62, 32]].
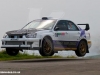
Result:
[[4, 56]]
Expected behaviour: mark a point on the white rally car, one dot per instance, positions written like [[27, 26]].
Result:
[[48, 36]]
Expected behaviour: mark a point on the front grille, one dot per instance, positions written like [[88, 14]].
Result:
[[15, 36], [14, 43]]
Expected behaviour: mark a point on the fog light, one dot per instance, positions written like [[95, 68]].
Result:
[[23, 43], [2, 43]]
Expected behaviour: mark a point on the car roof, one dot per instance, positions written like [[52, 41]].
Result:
[[51, 18]]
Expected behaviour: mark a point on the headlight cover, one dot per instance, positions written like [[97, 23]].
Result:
[[31, 35], [5, 36]]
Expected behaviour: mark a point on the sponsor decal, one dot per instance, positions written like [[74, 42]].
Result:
[[14, 39], [59, 34], [15, 36], [83, 33]]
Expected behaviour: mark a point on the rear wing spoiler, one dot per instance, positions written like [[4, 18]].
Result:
[[87, 26]]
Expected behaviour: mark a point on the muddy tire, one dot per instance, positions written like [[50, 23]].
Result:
[[47, 47], [81, 49], [12, 52]]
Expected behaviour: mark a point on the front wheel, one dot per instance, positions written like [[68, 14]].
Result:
[[81, 49], [47, 47], [12, 52]]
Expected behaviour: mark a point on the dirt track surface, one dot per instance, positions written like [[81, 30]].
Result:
[[53, 67]]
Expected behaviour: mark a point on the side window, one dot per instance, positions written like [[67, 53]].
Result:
[[61, 25], [72, 26]]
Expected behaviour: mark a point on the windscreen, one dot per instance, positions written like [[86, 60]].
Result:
[[40, 24]]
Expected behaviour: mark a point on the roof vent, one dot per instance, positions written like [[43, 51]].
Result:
[[46, 18]]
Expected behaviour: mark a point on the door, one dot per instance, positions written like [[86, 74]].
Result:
[[74, 34], [61, 35]]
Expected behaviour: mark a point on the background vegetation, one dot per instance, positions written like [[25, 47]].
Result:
[[4, 56]]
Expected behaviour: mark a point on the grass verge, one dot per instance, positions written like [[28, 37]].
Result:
[[4, 56]]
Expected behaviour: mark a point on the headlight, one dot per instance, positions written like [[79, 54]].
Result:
[[5, 36], [31, 35]]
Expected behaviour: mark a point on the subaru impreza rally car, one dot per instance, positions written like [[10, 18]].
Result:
[[48, 36]]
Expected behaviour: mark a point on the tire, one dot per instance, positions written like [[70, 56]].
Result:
[[47, 48], [41, 52], [81, 49], [12, 52]]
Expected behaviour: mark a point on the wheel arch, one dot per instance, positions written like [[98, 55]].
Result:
[[47, 36]]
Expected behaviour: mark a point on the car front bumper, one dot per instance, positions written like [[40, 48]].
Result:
[[21, 43]]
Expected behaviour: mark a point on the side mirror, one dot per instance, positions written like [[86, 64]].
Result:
[[56, 28]]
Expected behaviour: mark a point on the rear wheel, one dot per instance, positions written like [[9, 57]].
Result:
[[81, 49], [47, 47], [12, 52]]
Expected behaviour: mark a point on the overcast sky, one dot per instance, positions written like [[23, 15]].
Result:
[[14, 14]]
